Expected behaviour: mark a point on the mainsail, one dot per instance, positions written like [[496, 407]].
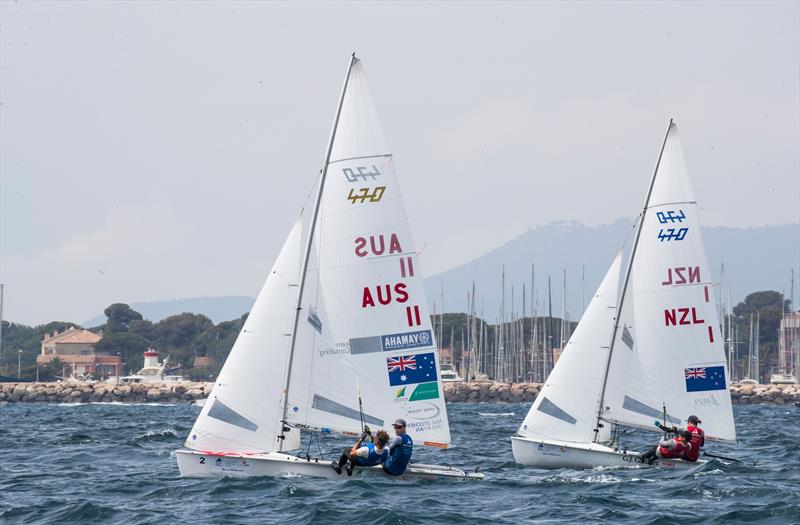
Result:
[[667, 359], [561, 411], [364, 348], [242, 413]]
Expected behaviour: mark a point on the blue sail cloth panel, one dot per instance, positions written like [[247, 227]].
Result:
[[228, 415], [703, 379], [640, 408], [332, 407], [551, 409]]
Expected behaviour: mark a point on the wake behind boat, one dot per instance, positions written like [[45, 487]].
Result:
[[650, 352], [340, 336]]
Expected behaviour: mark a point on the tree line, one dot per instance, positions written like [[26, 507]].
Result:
[[185, 336]]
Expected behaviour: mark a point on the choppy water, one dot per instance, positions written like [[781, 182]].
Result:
[[107, 463]]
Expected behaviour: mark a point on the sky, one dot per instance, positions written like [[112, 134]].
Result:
[[153, 150]]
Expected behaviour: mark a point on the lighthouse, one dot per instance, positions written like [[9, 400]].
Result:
[[151, 358]]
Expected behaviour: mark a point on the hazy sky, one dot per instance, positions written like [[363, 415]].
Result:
[[159, 150]]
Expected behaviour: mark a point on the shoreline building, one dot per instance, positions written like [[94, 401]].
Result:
[[788, 350], [74, 347]]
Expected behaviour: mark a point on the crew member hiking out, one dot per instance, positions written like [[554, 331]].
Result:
[[669, 448], [697, 441], [368, 455], [400, 448]]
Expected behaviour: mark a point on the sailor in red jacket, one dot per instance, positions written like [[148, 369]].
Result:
[[697, 440]]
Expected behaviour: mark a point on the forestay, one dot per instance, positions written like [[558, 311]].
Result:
[[668, 352], [242, 413], [561, 411], [364, 328]]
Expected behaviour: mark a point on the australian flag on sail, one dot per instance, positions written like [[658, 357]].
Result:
[[411, 369], [705, 378]]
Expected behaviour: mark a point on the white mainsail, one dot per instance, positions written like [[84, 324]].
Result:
[[561, 411], [667, 355], [364, 333], [242, 413]]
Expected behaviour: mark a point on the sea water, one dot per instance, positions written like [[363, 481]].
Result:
[[115, 463]]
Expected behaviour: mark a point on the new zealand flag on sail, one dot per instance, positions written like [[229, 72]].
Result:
[[705, 378], [411, 369]]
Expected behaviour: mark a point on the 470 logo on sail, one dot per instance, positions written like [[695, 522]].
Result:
[[671, 217]]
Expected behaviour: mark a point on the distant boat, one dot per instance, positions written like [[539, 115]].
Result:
[[339, 336], [152, 371], [650, 352], [783, 379], [449, 375]]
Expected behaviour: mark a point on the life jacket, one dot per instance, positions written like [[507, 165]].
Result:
[[697, 441], [400, 457], [676, 450], [373, 458]]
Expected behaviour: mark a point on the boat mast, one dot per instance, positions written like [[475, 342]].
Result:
[[307, 254], [548, 356], [621, 299]]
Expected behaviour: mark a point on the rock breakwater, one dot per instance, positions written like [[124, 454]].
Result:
[[455, 392], [87, 392], [765, 394]]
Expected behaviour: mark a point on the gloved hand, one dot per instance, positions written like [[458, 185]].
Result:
[[658, 423], [367, 431]]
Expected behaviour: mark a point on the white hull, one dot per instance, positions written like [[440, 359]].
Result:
[[554, 455], [195, 464]]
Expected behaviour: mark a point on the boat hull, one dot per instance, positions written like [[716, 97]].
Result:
[[196, 464], [553, 455]]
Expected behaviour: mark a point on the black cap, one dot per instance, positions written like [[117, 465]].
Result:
[[693, 419]]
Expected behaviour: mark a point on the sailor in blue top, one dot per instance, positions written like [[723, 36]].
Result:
[[400, 448], [368, 455]]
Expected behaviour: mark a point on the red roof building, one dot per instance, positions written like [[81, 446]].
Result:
[[75, 348]]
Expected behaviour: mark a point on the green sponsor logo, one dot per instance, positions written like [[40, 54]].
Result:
[[425, 391]]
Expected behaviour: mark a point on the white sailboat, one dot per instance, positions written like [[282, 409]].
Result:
[[660, 359], [340, 334]]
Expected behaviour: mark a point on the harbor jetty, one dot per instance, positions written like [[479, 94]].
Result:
[[455, 392], [100, 392]]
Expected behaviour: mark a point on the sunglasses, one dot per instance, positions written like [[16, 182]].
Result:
[[399, 426]]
